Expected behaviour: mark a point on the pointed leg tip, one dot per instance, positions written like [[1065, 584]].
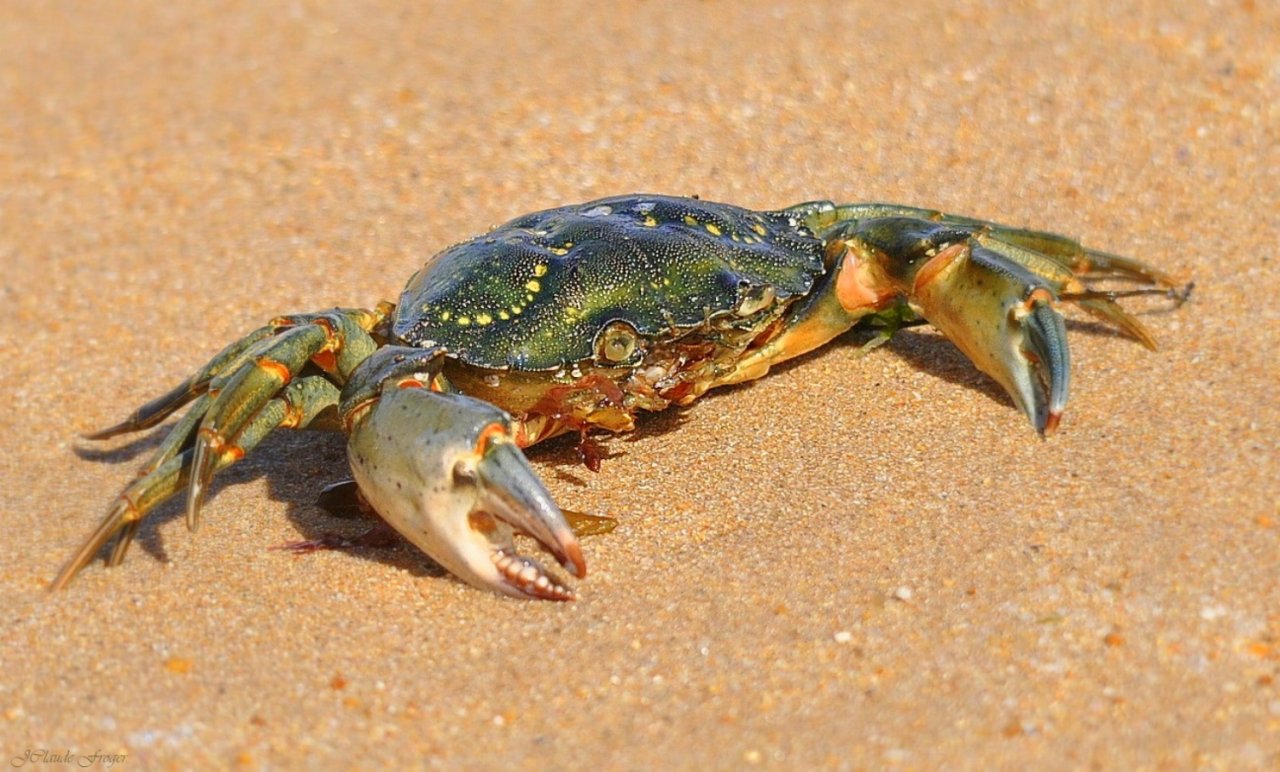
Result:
[[102, 434]]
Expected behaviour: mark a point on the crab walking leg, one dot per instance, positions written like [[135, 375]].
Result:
[[445, 471], [1069, 253], [335, 341], [163, 406], [295, 407], [174, 442]]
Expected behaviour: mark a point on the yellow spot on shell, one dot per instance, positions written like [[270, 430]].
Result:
[[558, 250], [649, 221], [540, 269], [464, 320], [758, 228], [504, 315], [712, 229], [517, 309], [532, 285], [688, 220], [445, 316], [483, 319]]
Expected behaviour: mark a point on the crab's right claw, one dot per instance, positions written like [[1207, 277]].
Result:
[[444, 470], [1001, 315]]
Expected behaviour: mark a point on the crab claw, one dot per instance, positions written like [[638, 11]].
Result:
[[1001, 315], [444, 470]]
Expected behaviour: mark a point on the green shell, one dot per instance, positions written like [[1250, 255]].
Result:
[[534, 293]]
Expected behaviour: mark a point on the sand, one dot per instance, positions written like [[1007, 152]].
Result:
[[855, 562]]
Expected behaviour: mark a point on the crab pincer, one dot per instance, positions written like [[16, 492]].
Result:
[[445, 471]]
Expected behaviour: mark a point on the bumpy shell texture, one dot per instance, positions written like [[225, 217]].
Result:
[[535, 293]]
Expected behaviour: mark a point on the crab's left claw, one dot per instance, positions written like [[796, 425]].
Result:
[[444, 470]]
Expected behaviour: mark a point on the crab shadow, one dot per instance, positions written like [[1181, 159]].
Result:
[[298, 465]]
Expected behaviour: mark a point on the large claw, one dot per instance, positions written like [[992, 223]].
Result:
[[992, 291], [1001, 316], [445, 471]]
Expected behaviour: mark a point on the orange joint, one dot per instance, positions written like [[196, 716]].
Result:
[[410, 383], [293, 415], [939, 263], [277, 369], [860, 283], [219, 445], [1039, 295], [327, 357], [131, 512], [488, 434], [325, 360], [357, 411]]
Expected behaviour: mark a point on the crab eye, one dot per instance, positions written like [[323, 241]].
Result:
[[617, 342], [753, 300]]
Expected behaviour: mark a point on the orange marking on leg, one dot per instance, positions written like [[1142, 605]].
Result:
[[937, 264], [293, 415], [219, 445], [213, 439], [326, 360], [861, 284], [131, 512], [410, 383], [278, 369]]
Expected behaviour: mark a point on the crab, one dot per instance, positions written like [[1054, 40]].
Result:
[[578, 319]]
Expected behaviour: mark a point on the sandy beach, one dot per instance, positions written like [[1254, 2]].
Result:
[[856, 562]]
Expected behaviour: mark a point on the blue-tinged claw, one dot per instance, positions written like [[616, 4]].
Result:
[[1001, 316]]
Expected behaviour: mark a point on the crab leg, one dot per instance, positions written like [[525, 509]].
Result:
[[246, 391], [446, 472], [295, 407], [163, 406], [992, 291], [335, 341]]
